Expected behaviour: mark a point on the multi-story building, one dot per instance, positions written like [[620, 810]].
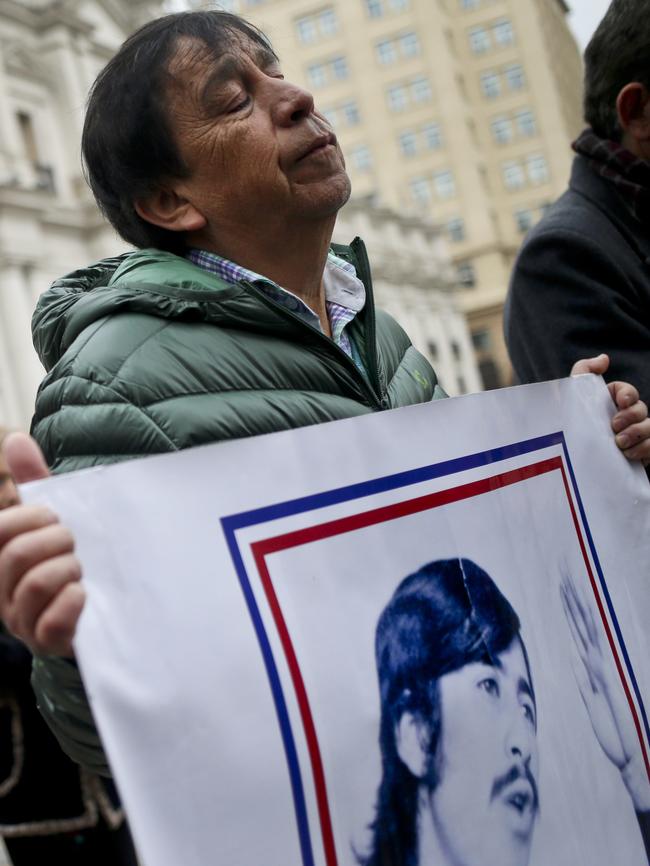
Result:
[[460, 111], [50, 53]]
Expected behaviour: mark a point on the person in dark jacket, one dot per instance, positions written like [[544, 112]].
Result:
[[234, 317], [581, 282], [51, 810]]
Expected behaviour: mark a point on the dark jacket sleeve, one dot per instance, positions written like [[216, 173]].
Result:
[[63, 703], [15, 664], [574, 295]]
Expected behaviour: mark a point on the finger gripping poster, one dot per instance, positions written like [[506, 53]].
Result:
[[413, 638]]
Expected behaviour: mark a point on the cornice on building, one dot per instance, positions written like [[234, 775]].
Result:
[[41, 17]]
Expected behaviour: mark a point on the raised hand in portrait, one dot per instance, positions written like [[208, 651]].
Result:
[[603, 695]]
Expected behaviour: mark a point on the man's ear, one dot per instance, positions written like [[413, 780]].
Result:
[[169, 210], [412, 743], [633, 109]]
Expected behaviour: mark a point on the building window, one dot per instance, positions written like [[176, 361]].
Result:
[[455, 350], [421, 190], [490, 84], [311, 28], [229, 5], [456, 229], [503, 33], [524, 219], [408, 143], [327, 22], [307, 32], [28, 136], [490, 375], [346, 114], [481, 340], [432, 349], [479, 40], [514, 76], [331, 115], [361, 157], [501, 130], [339, 68], [466, 274], [409, 45], [525, 121], [351, 113], [386, 52], [537, 169], [432, 135], [317, 74], [466, 5], [320, 74], [397, 97], [374, 8], [444, 184], [513, 175], [420, 90], [398, 5]]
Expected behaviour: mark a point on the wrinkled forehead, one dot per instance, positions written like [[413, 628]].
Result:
[[194, 60]]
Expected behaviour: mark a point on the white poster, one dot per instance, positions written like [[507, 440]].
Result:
[[418, 637]]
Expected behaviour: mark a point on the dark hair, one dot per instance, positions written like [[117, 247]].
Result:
[[128, 143], [618, 53], [446, 615]]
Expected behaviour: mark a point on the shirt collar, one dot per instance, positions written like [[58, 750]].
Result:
[[340, 281]]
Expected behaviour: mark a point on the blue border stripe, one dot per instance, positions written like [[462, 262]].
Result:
[[608, 599], [280, 705], [387, 482]]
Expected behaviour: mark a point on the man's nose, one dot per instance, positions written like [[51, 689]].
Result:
[[291, 103], [519, 739]]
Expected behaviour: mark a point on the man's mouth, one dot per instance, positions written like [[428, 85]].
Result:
[[520, 797], [319, 145], [516, 790]]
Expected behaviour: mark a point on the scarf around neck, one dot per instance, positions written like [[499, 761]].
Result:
[[629, 174]]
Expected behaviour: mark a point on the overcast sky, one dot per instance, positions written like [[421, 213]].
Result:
[[585, 17]]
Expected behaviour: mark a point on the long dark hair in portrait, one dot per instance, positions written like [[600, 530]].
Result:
[[447, 614]]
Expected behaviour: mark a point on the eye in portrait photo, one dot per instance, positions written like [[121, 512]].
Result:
[[486, 720]]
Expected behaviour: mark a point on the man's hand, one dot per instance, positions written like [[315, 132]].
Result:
[[40, 595], [603, 695], [631, 423]]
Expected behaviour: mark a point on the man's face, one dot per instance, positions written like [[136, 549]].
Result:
[[8, 492], [485, 804], [257, 150]]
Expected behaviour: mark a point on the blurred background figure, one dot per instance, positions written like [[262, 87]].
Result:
[[51, 811]]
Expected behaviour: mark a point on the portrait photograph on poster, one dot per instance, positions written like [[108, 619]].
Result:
[[375, 643], [467, 640]]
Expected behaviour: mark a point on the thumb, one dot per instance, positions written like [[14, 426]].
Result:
[[597, 365], [24, 458]]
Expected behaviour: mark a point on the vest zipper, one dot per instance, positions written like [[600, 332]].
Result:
[[375, 399]]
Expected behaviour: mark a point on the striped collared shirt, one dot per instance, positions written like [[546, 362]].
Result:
[[345, 294]]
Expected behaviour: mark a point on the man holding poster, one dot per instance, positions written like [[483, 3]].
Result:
[[235, 317]]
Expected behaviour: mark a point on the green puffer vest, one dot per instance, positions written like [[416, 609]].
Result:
[[148, 353]]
